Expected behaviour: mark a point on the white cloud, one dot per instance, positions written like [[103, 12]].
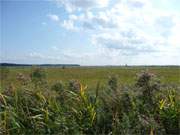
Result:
[[125, 29], [69, 25], [128, 42], [36, 55], [53, 17], [75, 5]]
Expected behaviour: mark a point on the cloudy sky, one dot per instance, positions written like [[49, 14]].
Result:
[[91, 32]]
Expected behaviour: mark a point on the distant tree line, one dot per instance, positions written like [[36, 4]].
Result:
[[41, 65]]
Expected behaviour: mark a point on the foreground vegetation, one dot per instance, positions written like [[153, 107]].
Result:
[[32, 105]]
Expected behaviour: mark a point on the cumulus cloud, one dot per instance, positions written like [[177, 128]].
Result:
[[125, 28], [75, 5], [69, 25], [128, 42], [164, 25], [53, 17], [36, 55], [136, 3]]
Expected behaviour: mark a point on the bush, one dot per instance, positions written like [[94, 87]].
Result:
[[74, 85], [38, 75], [58, 87], [22, 79], [149, 85]]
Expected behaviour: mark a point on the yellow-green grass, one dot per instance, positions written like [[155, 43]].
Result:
[[92, 75]]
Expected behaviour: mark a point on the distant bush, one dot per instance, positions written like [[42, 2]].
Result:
[[38, 75], [63, 67]]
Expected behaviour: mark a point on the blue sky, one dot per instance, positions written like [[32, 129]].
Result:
[[91, 32]]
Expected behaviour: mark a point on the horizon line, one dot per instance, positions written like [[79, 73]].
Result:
[[69, 64]]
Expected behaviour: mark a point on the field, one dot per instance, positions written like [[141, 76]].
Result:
[[90, 76], [90, 100]]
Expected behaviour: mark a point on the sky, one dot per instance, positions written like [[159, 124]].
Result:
[[90, 32]]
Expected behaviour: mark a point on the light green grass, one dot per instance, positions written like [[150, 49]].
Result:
[[92, 75]]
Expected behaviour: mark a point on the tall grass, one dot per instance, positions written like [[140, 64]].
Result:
[[34, 107]]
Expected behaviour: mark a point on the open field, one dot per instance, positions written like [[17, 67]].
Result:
[[92, 75]]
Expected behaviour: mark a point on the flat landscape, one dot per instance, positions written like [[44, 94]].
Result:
[[90, 67], [90, 76]]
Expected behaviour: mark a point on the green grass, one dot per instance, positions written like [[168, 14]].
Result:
[[36, 105], [91, 76]]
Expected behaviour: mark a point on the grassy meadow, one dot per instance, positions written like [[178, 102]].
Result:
[[90, 100], [90, 76]]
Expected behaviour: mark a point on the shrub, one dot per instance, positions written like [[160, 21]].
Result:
[[149, 85], [22, 79], [144, 78], [58, 87], [38, 75], [74, 85], [63, 67]]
